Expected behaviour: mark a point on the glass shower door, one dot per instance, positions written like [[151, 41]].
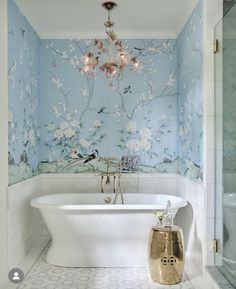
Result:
[[218, 142], [225, 145]]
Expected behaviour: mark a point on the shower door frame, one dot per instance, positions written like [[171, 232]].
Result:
[[219, 150], [218, 136]]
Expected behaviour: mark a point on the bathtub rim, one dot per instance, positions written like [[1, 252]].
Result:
[[107, 207]]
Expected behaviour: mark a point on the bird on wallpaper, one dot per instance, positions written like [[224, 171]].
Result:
[[140, 50], [101, 110], [75, 155], [91, 157], [77, 158], [23, 32], [127, 89], [25, 144]]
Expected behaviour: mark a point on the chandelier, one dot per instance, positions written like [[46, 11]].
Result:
[[109, 54]]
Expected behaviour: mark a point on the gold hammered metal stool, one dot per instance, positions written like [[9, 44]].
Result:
[[166, 254]]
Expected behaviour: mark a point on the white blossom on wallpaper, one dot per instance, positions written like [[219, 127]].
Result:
[[136, 118]]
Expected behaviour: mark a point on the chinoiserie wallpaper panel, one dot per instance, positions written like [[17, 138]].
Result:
[[152, 117], [136, 117]]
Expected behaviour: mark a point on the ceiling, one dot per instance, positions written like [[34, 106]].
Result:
[[84, 18]]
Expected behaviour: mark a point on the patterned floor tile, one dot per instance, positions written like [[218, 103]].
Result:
[[45, 276]]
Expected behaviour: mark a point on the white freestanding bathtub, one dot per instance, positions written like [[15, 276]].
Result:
[[86, 232]]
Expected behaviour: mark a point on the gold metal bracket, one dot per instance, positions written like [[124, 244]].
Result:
[[216, 46], [109, 5], [216, 245]]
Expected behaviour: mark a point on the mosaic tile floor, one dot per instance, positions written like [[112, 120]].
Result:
[[45, 276]]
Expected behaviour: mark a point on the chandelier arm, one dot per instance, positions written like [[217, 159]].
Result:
[[109, 54]]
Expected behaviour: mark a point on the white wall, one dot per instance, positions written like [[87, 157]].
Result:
[[3, 138]]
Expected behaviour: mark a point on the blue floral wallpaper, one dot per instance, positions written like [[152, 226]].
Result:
[[190, 94], [58, 116], [136, 118], [24, 94]]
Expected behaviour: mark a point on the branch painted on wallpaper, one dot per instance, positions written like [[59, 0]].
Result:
[[90, 83], [146, 100], [122, 107], [59, 85], [150, 98]]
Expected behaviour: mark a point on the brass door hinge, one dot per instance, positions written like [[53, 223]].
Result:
[[216, 245], [216, 46]]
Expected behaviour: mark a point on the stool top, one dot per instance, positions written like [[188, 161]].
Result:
[[173, 228], [166, 235]]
